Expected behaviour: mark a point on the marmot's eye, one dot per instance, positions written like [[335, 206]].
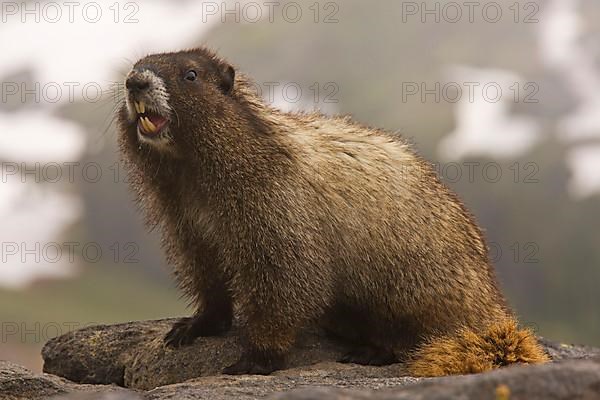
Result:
[[191, 75]]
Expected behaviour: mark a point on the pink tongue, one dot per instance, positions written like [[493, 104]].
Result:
[[157, 120]]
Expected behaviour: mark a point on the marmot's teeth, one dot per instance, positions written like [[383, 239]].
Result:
[[140, 107], [150, 125], [144, 126]]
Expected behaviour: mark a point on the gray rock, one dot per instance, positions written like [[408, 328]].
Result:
[[19, 383], [112, 395], [221, 387], [98, 354], [133, 355], [566, 380], [562, 351]]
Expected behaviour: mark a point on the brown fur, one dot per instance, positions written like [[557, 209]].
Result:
[[500, 344], [295, 218]]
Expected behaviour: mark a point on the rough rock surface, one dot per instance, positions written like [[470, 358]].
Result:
[[18, 383], [256, 386], [572, 379], [132, 355]]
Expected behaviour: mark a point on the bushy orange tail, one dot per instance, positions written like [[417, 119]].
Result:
[[469, 352]]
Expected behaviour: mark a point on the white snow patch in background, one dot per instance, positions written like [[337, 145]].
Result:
[[63, 53], [39, 137], [564, 50], [584, 162], [485, 126], [33, 217], [85, 52]]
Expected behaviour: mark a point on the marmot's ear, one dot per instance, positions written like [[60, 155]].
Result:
[[227, 78]]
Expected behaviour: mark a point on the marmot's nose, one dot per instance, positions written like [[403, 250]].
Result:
[[137, 81]]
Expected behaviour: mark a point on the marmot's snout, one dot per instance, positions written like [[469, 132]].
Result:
[[147, 102], [138, 80]]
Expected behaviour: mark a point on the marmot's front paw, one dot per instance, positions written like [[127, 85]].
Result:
[[257, 364], [186, 330], [183, 333]]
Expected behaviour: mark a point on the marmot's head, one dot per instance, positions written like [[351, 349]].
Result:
[[172, 96]]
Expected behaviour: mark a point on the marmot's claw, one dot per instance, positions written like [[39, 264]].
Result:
[[182, 333], [186, 330]]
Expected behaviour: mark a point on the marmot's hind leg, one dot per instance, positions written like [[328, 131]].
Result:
[[355, 329], [370, 355]]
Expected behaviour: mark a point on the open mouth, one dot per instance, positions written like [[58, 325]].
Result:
[[148, 123]]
